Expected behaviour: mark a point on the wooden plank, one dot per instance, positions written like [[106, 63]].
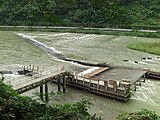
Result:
[[92, 71], [95, 72]]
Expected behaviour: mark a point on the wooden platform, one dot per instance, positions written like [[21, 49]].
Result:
[[111, 82], [122, 74], [33, 83], [116, 83]]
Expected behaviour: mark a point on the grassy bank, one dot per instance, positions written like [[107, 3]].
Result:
[[153, 48], [86, 31]]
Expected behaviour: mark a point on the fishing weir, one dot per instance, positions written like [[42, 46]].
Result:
[[114, 82]]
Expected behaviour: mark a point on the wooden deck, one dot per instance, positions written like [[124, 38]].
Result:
[[33, 83], [116, 83], [112, 82]]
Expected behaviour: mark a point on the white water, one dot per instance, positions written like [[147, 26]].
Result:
[[51, 49], [146, 96], [43, 46]]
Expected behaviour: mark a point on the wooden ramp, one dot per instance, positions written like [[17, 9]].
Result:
[[92, 71]]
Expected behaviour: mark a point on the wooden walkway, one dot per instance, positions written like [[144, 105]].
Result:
[[33, 83], [99, 80]]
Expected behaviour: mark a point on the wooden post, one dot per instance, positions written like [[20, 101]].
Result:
[[98, 86], [83, 82], [59, 84], [33, 68], [41, 93], [46, 93], [30, 67], [64, 84], [135, 87], [106, 85], [37, 68], [148, 74], [89, 84], [76, 77], [27, 68], [140, 83]]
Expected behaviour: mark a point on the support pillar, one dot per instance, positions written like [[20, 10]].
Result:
[[106, 84], [64, 84], [135, 87], [98, 86], [41, 93], [59, 85], [140, 83], [46, 93], [144, 78]]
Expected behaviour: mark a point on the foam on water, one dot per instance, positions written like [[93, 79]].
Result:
[[132, 62], [146, 93], [143, 63], [60, 60], [42, 45], [60, 34], [49, 49], [85, 37], [14, 74]]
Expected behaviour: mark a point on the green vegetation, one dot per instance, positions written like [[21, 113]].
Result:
[[153, 48], [144, 114], [91, 13], [16, 107]]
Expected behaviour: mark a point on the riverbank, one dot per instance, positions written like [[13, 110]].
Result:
[[153, 48], [100, 31]]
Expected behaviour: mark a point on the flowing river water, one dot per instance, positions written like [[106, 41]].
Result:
[[17, 51]]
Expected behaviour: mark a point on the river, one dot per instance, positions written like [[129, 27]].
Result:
[[89, 48]]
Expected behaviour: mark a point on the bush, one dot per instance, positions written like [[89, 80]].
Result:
[[144, 114], [15, 107]]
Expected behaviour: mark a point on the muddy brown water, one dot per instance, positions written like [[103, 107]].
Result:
[[88, 48]]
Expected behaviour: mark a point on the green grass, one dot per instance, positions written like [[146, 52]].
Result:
[[153, 48]]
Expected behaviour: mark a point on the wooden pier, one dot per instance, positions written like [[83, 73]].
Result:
[[114, 82], [39, 78]]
